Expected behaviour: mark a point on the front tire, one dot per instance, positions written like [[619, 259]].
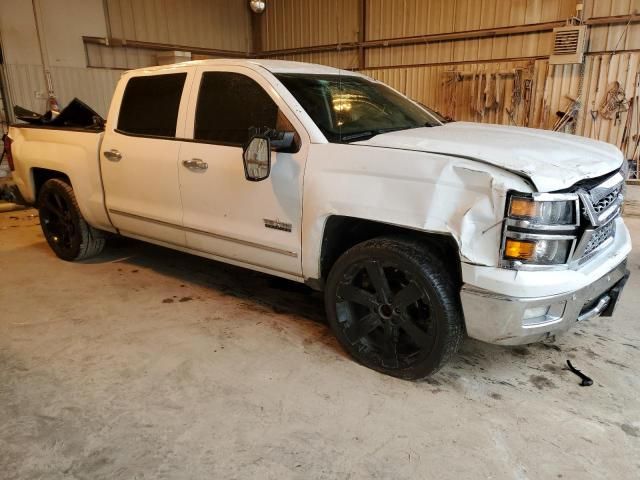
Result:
[[66, 231], [394, 307]]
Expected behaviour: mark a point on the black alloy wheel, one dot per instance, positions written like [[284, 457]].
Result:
[[57, 221], [66, 231], [393, 307]]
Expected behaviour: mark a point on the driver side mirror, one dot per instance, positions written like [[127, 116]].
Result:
[[257, 158]]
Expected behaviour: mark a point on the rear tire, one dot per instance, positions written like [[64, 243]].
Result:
[[394, 307], [66, 231]]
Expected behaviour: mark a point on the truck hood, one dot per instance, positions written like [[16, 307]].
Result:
[[550, 160]]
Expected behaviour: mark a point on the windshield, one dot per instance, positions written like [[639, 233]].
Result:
[[349, 108]]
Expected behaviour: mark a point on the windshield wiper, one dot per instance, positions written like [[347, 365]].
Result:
[[358, 136]]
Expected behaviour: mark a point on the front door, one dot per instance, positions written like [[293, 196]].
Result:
[[257, 224], [139, 156]]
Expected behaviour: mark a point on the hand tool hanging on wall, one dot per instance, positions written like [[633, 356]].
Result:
[[566, 118], [473, 93], [626, 132], [528, 90], [480, 96], [489, 93], [635, 153], [594, 110], [486, 90], [516, 96], [615, 102], [450, 92]]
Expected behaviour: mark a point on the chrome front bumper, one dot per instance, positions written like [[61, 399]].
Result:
[[506, 320]]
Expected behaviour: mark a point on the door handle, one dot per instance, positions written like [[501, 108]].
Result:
[[113, 155], [195, 164]]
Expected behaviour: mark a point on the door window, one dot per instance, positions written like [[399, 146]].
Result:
[[229, 105], [150, 105]]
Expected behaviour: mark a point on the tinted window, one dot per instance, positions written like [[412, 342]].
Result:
[[150, 105], [348, 108], [229, 104]]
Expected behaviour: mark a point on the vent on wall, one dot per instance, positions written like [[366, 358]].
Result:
[[568, 45]]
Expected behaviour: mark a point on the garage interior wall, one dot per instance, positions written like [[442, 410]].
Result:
[[90, 71], [435, 51]]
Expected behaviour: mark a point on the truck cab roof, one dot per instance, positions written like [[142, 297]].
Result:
[[273, 66]]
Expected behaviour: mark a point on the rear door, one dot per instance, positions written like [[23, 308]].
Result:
[[257, 224], [139, 155]]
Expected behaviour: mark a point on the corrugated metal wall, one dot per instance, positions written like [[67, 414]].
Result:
[[303, 23], [211, 24], [93, 86], [127, 58], [406, 18], [456, 92], [607, 38], [440, 73], [444, 74], [221, 24]]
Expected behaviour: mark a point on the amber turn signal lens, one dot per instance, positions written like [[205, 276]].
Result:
[[523, 207], [519, 249]]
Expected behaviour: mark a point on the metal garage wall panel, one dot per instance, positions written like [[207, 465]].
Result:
[[554, 87], [607, 37], [401, 18], [347, 59], [120, 57], [303, 23], [601, 72], [93, 86], [427, 85], [221, 24], [23, 82], [520, 45]]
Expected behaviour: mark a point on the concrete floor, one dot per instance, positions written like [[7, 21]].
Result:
[[147, 363]]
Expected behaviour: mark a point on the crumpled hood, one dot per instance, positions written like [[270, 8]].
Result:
[[551, 160]]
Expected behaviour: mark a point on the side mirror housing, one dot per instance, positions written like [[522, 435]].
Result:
[[281, 140], [256, 157]]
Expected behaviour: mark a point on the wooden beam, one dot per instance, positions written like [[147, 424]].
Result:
[[613, 20], [460, 62], [438, 37], [256, 34], [120, 42]]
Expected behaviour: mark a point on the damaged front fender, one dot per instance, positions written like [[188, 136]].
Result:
[[416, 190]]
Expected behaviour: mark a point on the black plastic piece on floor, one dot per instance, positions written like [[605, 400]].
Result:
[[586, 381]]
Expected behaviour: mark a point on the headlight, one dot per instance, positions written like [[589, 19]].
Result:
[[543, 212], [539, 230], [539, 252]]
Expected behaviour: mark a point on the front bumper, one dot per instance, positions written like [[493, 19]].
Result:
[[508, 320]]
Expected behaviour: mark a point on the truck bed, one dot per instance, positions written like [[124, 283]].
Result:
[[74, 151]]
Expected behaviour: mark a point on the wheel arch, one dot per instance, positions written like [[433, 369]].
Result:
[[342, 232], [39, 177]]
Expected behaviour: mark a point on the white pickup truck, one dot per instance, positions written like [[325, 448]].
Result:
[[417, 230]]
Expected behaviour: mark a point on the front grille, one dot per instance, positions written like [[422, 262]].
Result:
[[598, 204], [602, 205], [600, 236]]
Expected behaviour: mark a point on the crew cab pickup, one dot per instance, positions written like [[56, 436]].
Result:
[[418, 230]]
